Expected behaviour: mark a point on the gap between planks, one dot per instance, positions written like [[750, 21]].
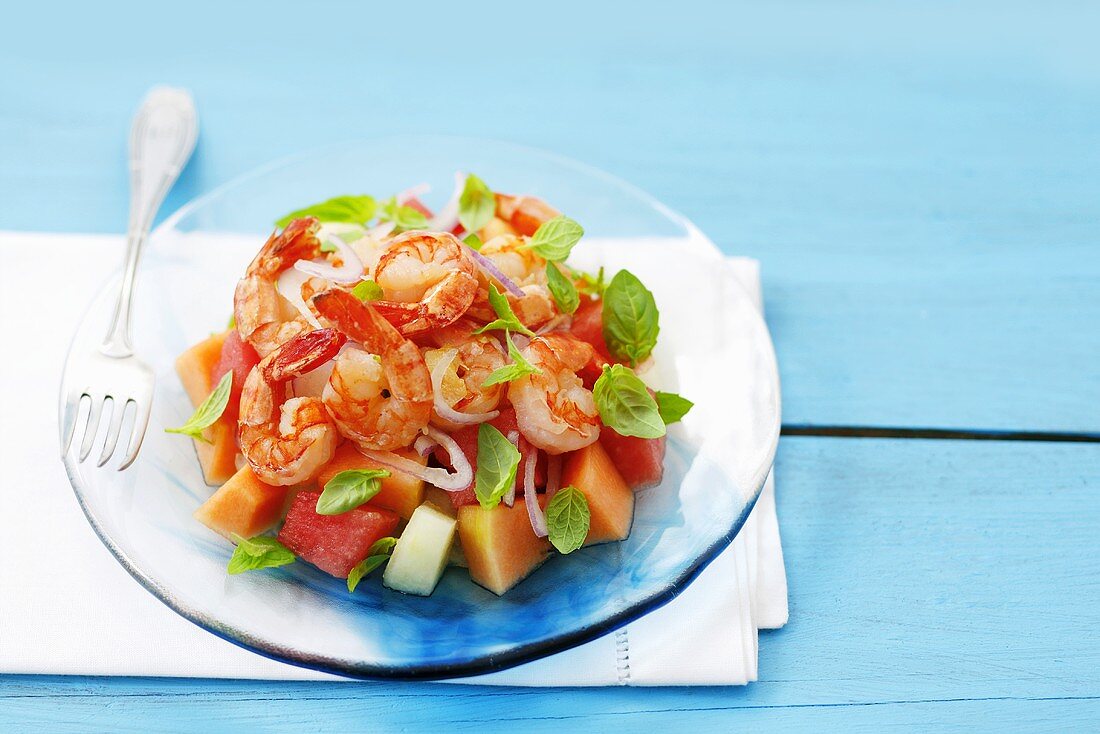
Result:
[[951, 434]]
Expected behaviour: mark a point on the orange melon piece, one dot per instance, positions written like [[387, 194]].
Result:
[[218, 458], [499, 545], [400, 492], [244, 505], [610, 500]]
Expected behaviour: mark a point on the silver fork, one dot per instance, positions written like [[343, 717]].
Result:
[[162, 138]]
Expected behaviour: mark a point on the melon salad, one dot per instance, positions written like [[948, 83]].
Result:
[[400, 391]]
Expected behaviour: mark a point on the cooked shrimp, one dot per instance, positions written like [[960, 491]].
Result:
[[554, 410], [263, 318], [287, 439], [471, 361], [429, 281], [524, 214], [527, 269], [380, 397]]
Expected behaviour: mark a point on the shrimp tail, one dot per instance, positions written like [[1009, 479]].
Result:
[[303, 354], [358, 320], [297, 241]]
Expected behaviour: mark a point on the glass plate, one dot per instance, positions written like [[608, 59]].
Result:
[[714, 348]]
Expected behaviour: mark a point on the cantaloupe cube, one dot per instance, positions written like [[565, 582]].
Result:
[[500, 547], [400, 492], [610, 500], [195, 368], [243, 505]]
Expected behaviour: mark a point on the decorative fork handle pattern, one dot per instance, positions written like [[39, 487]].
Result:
[[161, 140]]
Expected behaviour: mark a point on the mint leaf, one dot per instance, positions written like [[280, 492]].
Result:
[[349, 209], [476, 204], [349, 489], [497, 461], [671, 406], [506, 318], [367, 290], [629, 318], [562, 289], [625, 404], [519, 367], [473, 241], [209, 412], [405, 217], [568, 519], [259, 552], [378, 554], [554, 240]]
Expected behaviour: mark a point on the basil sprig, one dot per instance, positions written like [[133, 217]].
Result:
[[506, 318], [497, 462], [554, 239], [209, 412], [625, 405], [568, 519], [347, 209], [259, 552], [562, 289], [629, 318], [378, 554], [671, 406], [517, 369], [367, 290], [404, 217], [350, 489], [476, 204]]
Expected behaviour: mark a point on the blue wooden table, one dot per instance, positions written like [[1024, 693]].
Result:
[[922, 185]]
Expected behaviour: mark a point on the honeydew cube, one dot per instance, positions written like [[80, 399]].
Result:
[[422, 552]]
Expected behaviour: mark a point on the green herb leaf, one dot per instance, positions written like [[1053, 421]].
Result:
[[232, 321], [378, 554], [405, 217], [473, 241], [591, 284], [629, 318], [327, 246], [209, 412], [476, 204], [497, 461], [367, 290], [554, 240], [671, 406], [349, 489], [519, 367], [506, 318], [568, 519], [562, 289], [625, 404], [259, 552], [349, 209]]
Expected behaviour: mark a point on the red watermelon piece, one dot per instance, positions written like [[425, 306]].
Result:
[[238, 356], [333, 543], [639, 460]]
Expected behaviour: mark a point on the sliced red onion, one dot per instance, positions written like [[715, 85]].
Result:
[[494, 272], [349, 272], [522, 341], [424, 445], [413, 192], [381, 231], [510, 496], [535, 512], [289, 286], [447, 218], [553, 475], [444, 411], [461, 478]]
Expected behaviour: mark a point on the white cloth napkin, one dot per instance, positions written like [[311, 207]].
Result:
[[67, 607]]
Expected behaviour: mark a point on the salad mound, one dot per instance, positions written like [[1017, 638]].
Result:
[[408, 391]]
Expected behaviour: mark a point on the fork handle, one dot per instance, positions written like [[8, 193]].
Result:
[[162, 138]]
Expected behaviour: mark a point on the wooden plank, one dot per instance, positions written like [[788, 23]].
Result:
[[922, 185], [945, 584]]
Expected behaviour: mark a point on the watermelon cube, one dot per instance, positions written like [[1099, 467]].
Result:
[[639, 460], [333, 543]]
